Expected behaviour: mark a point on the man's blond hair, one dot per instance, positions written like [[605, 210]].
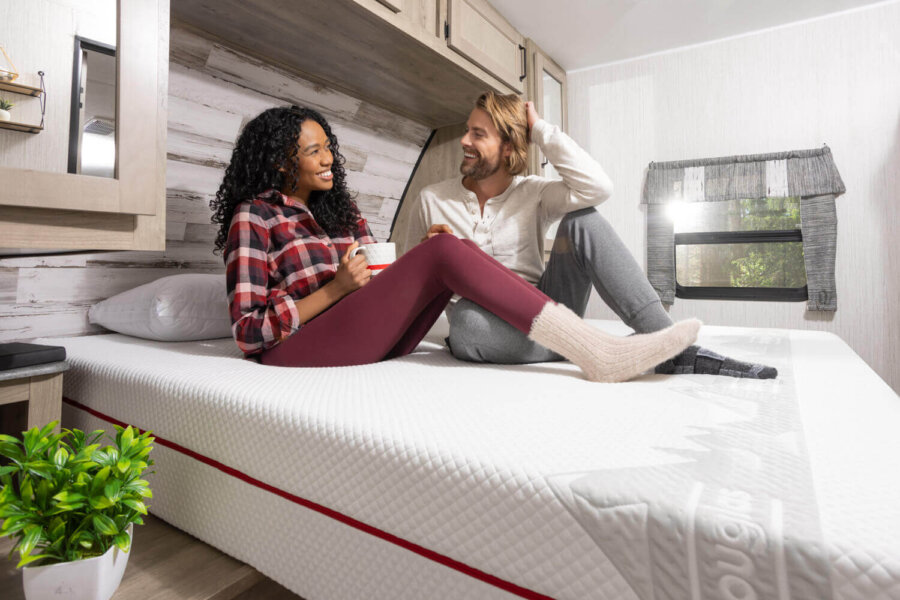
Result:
[[507, 112]]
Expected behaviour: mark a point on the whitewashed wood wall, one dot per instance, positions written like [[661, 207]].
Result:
[[834, 80], [213, 91]]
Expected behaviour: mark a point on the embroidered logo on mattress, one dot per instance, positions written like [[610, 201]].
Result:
[[733, 516]]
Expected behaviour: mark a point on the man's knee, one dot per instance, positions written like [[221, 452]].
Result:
[[468, 321], [586, 219], [468, 324]]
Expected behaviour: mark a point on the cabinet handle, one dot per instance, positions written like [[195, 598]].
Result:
[[524, 62]]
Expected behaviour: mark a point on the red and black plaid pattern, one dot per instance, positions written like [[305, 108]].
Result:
[[276, 253]]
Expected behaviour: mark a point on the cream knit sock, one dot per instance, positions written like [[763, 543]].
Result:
[[605, 357]]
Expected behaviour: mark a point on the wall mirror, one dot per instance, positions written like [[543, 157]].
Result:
[[553, 112], [92, 111]]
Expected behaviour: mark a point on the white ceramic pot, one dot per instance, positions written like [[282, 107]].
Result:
[[4, 115], [90, 579]]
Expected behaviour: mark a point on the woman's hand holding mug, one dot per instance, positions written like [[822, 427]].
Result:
[[379, 255], [353, 273]]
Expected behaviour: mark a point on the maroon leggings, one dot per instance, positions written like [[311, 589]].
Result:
[[390, 315]]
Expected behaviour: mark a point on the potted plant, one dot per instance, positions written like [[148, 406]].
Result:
[[5, 105], [70, 505]]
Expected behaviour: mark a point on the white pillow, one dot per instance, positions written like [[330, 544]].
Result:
[[177, 308]]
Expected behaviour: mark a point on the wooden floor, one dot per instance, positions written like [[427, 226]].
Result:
[[168, 564]]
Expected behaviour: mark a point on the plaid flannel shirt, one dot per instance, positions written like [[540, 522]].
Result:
[[276, 253]]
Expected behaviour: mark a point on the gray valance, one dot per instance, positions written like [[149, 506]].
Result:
[[810, 175]]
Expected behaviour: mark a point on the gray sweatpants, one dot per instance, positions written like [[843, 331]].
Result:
[[587, 253]]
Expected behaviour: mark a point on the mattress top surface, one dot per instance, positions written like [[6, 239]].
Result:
[[448, 438]]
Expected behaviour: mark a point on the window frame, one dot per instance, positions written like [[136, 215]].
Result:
[[800, 294]]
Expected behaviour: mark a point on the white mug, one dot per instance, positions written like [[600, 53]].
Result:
[[379, 256]]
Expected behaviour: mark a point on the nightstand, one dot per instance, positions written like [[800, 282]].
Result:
[[40, 386]]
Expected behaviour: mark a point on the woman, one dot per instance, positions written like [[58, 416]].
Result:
[[297, 298]]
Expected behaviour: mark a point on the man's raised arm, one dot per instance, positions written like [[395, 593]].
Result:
[[584, 182]]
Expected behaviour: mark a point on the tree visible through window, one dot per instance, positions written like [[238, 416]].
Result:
[[750, 244]]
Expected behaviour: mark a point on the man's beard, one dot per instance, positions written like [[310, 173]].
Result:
[[481, 169]]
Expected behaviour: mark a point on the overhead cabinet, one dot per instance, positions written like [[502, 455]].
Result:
[[478, 32], [46, 208], [425, 59]]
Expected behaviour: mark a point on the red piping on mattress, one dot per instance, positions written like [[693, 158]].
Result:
[[421, 551]]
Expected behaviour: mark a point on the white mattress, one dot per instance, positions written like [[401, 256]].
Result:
[[448, 479]]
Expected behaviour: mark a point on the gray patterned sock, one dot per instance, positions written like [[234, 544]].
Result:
[[701, 361]]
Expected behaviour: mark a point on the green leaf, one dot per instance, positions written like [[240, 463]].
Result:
[[126, 439], [123, 541], [30, 559], [69, 497], [57, 529], [104, 525], [9, 510], [42, 493], [8, 469], [14, 525], [29, 540], [112, 489], [99, 480], [12, 451], [48, 428], [100, 502], [61, 508], [60, 457], [123, 465], [136, 505], [26, 492]]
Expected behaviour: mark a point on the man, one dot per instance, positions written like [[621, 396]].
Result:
[[508, 216]]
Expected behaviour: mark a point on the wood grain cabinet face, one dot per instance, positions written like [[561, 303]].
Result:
[[481, 34], [46, 209]]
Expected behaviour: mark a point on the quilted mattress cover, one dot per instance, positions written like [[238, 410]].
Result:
[[528, 480]]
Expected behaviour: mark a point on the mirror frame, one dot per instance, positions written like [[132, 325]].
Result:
[[142, 88], [541, 62], [81, 44]]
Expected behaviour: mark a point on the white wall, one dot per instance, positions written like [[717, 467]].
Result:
[[833, 80]]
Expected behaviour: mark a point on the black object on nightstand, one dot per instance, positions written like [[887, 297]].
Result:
[[15, 355]]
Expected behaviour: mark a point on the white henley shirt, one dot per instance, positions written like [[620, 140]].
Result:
[[514, 224]]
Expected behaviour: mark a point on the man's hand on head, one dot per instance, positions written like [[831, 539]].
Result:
[[531, 115], [436, 230]]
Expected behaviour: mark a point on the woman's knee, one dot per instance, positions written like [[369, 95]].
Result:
[[442, 241]]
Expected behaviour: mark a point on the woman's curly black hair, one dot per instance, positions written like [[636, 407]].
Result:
[[267, 144]]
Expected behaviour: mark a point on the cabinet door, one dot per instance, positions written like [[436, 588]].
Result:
[[58, 210], [481, 34]]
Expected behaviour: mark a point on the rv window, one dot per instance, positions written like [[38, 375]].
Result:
[[740, 249]]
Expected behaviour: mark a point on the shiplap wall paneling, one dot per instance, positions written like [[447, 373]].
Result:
[[213, 92], [834, 80], [440, 161]]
